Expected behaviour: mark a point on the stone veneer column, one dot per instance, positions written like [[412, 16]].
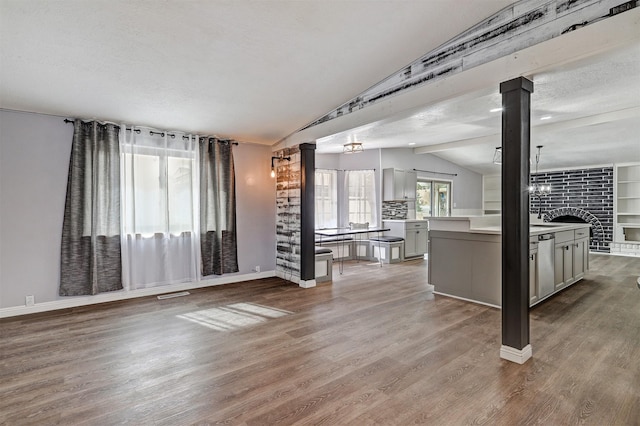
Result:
[[516, 110]]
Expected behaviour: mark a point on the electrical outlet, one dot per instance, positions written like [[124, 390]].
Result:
[[257, 268], [30, 300]]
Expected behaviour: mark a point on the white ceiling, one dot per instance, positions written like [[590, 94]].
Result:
[[584, 113], [254, 71]]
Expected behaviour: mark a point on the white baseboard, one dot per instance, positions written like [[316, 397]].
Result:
[[307, 283], [466, 300], [519, 356], [73, 302], [296, 279]]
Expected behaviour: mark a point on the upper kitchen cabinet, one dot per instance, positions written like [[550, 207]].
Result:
[[398, 184]]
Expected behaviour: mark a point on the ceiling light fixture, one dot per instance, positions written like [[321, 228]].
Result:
[[546, 117], [352, 148], [496, 109], [412, 143], [497, 155]]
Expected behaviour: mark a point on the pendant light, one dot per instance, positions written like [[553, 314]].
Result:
[[537, 190]]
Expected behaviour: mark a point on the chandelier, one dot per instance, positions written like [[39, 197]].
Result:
[[537, 190]]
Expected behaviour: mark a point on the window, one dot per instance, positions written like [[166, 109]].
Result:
[[159, 209], [433, 198], [158, 191], [361, 197], [326, 198]]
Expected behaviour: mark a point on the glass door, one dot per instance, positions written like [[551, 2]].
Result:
[[433, 198], [442, 193], [423, 199]]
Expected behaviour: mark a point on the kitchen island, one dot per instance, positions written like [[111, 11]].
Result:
[[465, 257]]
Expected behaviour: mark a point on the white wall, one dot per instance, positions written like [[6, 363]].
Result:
[[366, 160], [467, 185], [34, 161]]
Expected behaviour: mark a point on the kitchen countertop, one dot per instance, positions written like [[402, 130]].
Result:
[[534, 229], [491, 225], [404, 220]]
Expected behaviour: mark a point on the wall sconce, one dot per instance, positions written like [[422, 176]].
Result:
[[497, 155], [273, 169], [352, 148]]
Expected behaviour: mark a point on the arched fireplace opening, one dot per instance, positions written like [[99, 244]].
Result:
[[575, 215], [572, 219]]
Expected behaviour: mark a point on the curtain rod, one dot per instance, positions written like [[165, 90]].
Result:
[[438, 173], [172, 135], [346, 170]]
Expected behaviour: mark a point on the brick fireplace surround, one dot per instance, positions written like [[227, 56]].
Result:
[[586, 194]]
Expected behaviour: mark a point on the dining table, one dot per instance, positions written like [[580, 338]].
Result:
[[341, 235]]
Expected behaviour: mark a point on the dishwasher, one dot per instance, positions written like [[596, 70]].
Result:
[[545, 269]]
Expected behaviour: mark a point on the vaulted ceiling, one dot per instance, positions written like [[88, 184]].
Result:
[[584, 113], [259, 71]]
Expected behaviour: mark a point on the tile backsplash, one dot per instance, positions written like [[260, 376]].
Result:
[[394, 210]]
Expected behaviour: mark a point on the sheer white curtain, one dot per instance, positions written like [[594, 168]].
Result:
[[159, 204], [360, 194], [326, 198]]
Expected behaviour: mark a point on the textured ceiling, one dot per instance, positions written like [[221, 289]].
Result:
[[255, 71], [586, 112]]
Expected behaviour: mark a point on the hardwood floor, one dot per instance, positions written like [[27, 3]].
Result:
[[374, 347]]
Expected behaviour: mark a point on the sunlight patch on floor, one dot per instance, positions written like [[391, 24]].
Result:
[[234, 316]]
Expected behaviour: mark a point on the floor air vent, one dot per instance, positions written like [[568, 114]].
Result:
[[171, 295]]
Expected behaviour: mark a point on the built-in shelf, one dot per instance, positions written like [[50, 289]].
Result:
[[491, 194], [626, 193]]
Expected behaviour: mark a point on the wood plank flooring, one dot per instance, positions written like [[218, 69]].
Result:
[[373, 347]]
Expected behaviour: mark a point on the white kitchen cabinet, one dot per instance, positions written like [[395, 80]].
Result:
[[415, 242], [533, 276], [563, 265], [580, 257], [399, 184], [414, 232], [563, 259]]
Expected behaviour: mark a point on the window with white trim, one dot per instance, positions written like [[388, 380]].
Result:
[[360, 191], [326, 198]]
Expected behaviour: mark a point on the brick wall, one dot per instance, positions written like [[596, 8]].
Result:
[[586, 189], [288, 214]]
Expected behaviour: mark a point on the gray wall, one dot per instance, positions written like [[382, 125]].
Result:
[[34, 161], [467, 186]]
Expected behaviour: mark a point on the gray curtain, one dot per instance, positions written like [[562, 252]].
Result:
[[90, 256], [217, 207]]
